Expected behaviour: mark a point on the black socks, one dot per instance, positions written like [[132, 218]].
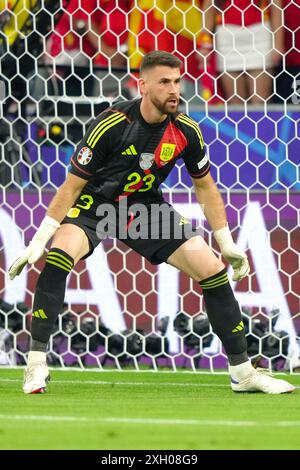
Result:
[[225, 316], [222, 309], [49, 297]]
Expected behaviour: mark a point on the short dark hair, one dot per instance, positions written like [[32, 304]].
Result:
[[154, 58]]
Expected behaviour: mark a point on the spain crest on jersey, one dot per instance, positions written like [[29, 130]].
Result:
[[167, 152]]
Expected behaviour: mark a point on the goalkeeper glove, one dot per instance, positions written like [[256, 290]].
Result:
[[231, 252], [36, 247]]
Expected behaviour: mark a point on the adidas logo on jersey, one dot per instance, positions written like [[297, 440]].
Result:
[[130, 151]]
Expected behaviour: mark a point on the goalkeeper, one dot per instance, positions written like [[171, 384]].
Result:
[[126, 154]]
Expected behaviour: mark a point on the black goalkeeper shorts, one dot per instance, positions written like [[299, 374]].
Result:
[[153, 230]]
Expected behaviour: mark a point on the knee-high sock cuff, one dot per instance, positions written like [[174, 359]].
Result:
[[216, 280]]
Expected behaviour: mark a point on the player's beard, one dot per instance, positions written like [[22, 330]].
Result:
[[166, 107]]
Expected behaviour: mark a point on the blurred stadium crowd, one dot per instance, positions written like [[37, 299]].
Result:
[[231, 51]]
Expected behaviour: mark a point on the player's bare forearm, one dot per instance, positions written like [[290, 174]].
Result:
[[211, 201], [61, 203], [65, 197]]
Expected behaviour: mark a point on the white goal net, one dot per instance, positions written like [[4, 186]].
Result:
[[61, 63]]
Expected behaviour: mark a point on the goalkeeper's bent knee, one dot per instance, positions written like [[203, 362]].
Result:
[[224, 313], [50, 294]]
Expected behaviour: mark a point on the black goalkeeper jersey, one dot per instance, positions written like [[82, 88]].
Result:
[[121, 155]]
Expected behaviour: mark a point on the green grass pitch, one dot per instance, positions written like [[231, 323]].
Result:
[[144, 410]]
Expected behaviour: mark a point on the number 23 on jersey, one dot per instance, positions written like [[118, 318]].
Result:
[[137, 183]]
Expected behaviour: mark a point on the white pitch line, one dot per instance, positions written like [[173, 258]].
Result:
[[151, 421], [133, 384], [125, 372], [105, 382]]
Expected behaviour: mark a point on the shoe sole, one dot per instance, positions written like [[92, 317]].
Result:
[[38, 390]]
